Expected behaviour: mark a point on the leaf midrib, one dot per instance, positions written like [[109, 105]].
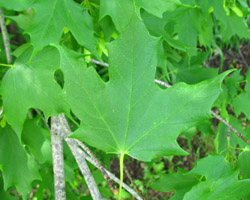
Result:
[[131, 92], [130, 97]]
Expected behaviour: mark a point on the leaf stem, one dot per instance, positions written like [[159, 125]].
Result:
[[121, 176], [5, 65]]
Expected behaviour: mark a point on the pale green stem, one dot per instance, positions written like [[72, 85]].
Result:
[[121, 175]]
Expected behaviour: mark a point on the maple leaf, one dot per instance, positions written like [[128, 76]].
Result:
[[130, 114]]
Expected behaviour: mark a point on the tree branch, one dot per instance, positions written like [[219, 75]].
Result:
[[57, 135], [80, 160], [99, 63], [230, 127], [98, 164], [6, 40], [162, 83], [89, 152], [243, 58], [84, 169]]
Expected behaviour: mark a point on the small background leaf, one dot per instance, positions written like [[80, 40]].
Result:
[[18, 169], [53, 16], [226, 188]]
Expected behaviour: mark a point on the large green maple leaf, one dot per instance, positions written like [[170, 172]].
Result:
[[52, 16], [130, 114], [32, 85]]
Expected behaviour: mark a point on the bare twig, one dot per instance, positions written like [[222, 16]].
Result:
[[131, 180], [228, 135], [230, 127], [97, 163], [243, 58], [89, 152], [57, 135], [6, 40], [99, 63], [95, 194], [162, 83]]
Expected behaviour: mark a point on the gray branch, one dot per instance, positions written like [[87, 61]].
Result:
[[162, 83], [99, 63], [95, 193], [98, 164], [243, 58], [57, 135], [84, 169], [230, 127], [6, 40], [88, 151]]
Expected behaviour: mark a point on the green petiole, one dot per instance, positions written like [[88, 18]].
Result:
[[121, 176]]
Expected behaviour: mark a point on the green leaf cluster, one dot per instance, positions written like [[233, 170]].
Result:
[[121, 110]]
